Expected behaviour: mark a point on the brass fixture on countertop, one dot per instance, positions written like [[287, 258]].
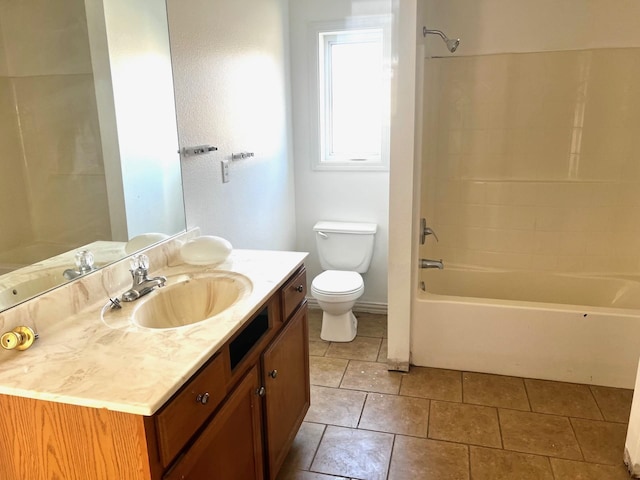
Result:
[[20, 338]]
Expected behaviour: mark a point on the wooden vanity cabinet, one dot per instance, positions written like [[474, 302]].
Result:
[[257, 394], [230, 447], [287, 393], [250, 435]]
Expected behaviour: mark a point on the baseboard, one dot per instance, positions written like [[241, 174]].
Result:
[[365, 307]]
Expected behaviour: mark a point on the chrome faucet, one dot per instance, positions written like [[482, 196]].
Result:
[[142, 284], [84, 264], [426, 263]]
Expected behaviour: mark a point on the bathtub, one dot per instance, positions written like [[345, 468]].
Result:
[[573, 328]]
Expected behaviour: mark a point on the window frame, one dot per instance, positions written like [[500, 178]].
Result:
[[321, 108]]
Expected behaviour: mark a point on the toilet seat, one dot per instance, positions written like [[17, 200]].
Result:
[[337, 283]]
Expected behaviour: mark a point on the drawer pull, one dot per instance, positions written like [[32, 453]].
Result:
[[203, 398], [261, 392], [273, 373], [299, 288]]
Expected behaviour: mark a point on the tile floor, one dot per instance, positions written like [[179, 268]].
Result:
[[430, 424]]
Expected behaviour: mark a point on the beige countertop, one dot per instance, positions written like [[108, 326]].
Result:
[[83, 360]]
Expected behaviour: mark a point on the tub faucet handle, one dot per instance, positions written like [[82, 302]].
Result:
[[424, 231]]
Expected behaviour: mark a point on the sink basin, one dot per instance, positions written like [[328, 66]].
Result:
[[189, 299]]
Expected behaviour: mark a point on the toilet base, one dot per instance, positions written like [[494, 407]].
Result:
[[339, 328]]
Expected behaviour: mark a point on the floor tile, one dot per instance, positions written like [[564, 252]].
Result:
[[539, 434], [361, 348], [302, 475], [371, 325], [327, 372], [492, 464], [614, 403], [494, 391], [304, 447], [433, 383], [572, 470], [318, 348], [315, 325], [601, 442], [489, 427], [335, 406], [422, 459], [394, 414], [354, 453], [570, 399], [371, 377], [382, 356], [459, 422]]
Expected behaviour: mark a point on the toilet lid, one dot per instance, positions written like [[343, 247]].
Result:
[[337, 282]]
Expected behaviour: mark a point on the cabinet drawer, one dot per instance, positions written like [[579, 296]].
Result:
[[293, 293], [186, 412]]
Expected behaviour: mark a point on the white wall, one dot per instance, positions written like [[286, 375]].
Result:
[[333, 195], [230, 62]]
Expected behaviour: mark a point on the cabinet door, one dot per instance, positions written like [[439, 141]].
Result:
[[286, 378], [230, 447]]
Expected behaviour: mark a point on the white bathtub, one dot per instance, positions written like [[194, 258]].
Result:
[[583, 329]]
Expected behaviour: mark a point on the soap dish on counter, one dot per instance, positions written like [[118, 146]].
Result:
[[205, 250]]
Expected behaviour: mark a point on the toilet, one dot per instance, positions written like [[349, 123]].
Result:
[[345, 250]]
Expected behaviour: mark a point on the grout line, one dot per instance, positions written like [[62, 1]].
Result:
[[573, 430], [553, 474], [364, 404], [596, 402], [500, 428], [344, 373], [469, 460], [430, 417], [393, 446], [315, 453], [526, 391]]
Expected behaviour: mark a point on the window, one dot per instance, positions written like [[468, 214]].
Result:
[[353, 97]]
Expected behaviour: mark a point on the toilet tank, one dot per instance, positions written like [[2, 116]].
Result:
[[345, 245]]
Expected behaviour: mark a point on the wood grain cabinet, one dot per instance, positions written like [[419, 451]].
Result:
[[230, 446], [235, 419], [286, 379]]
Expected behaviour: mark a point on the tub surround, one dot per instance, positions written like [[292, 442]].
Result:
[[80, 360]]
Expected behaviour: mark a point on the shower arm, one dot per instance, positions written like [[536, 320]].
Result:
[[452, 43], [426, 31]]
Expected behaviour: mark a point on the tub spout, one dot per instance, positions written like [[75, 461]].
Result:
[[426, 263]]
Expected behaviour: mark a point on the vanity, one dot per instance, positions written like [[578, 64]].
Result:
[[96, 397]]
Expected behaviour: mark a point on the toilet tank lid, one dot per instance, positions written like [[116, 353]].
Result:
[[346, 227]]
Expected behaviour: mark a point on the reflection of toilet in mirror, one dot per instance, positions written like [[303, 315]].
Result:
[[345, 250]]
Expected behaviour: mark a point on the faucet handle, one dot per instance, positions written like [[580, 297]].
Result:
[[84, 261], [424, 231], [139, 261]]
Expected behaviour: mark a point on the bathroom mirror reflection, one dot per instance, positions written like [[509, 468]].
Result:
[[89, 140]]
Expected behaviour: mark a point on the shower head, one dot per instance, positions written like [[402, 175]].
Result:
[[452, 43]]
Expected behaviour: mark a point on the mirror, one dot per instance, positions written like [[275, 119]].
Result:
[[89, 139]]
